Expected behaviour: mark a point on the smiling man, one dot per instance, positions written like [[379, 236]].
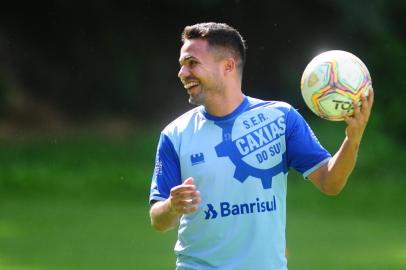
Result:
[[221, 168]]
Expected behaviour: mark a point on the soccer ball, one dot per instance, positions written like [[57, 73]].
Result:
[[331, 81]]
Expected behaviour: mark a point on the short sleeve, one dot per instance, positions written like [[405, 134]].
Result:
[[167, 170], [304, 151]]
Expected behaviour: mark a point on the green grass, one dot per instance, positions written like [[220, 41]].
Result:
[[363, 228], [44, 233], [81, 203], [79, 166], [60, 234]]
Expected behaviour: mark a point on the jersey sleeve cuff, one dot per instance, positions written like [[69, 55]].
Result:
[[315, 167], [155, 199]]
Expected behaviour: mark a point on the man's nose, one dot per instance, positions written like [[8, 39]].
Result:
[[183, 72]]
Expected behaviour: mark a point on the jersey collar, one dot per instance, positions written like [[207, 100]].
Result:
[[241, 108]]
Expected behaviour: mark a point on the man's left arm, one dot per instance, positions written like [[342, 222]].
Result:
[[332, 177]]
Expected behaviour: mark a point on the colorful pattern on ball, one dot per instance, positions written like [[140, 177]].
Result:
[[332, 81]]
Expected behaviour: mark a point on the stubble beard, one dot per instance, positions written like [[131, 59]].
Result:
[[197, 99], [204, 94]]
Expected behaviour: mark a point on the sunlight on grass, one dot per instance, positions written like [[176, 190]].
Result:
[[399, 255], [81, 234], [7, 231], [82, 204]]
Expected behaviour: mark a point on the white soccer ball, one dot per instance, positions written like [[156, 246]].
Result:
[[332, 81]]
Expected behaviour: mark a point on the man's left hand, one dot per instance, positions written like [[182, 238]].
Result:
[[356, 123]]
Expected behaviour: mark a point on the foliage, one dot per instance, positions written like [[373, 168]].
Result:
[[121, 58]]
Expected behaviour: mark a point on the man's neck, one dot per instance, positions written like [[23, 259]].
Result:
[[225, 104]]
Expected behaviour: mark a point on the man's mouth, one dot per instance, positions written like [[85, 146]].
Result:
[[190, 85]]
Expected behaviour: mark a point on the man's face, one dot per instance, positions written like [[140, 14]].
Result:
[[200, 71]]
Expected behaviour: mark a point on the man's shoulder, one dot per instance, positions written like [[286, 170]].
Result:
[[256, 102], [182, 122], [289, 112]]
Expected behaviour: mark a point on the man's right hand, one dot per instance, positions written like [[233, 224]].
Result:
[[185, 198]]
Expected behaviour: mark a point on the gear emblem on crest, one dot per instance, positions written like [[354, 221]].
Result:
[[228, 148]]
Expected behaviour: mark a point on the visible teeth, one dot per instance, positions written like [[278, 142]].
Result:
[[190, 85]]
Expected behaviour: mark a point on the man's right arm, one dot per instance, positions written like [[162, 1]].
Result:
[[183, 199], [162, 218]]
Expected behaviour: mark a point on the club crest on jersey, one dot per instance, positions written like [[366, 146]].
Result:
[[255, 143]]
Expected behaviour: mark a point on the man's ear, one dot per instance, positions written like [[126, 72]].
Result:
[[229, 65]]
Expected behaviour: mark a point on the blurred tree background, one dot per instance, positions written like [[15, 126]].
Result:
[[72, 72], [74, 61]]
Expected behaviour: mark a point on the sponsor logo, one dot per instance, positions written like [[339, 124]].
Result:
[[197, 158], [225, 209], [210, 213], [343, 105]]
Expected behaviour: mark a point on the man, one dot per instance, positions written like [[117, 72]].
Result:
[[221, 168]]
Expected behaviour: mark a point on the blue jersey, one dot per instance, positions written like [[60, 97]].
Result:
[[239, 164]]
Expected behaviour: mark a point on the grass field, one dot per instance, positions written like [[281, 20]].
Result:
[[81, 203]]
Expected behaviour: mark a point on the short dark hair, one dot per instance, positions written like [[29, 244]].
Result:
[[219, 35]]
